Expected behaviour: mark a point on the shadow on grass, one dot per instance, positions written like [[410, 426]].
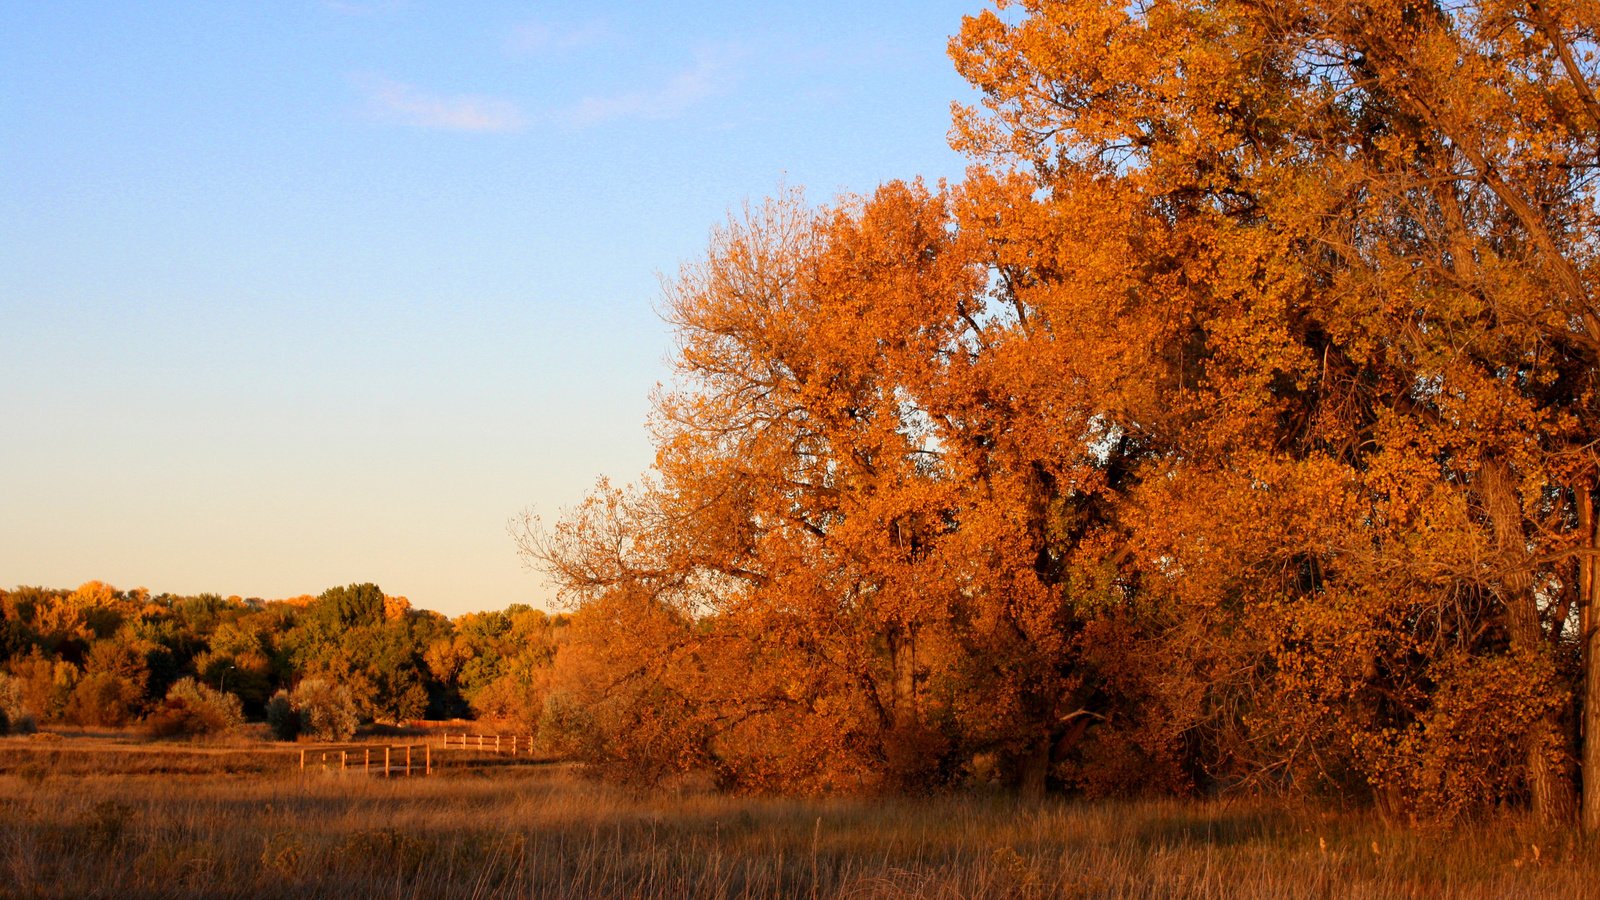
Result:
[[1220, 828], [498, 763]]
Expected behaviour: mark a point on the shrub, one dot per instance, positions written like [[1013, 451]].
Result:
[[282, 717], [102, 699], [46, 684], [14, 717], [1462, 755], [567, 728], [513, 697], [192, 708], [324, 710]]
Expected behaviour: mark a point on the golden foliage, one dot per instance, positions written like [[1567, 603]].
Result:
[[1232, 422]]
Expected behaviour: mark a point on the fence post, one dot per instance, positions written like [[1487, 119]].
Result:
[[344, 759], [408, 760], [302, 760], [427, 759], [386, 761]]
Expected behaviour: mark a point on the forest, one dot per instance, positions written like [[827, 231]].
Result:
[[196, 665], [1230, 427]]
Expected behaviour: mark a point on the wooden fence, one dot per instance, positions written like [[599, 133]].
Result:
[[509, 744], [388, 760]]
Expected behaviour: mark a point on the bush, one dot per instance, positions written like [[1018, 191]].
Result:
[[46, 684], [192, 709], [282, 717], [102, 699], [14, 717], [324, 710], [567, 728], [1463, 754]]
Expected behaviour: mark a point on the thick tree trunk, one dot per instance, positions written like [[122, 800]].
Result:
[[1053, 746], [1553, 794], [1036, 768], [1549, 781], [1589, 649], [1591, 723], [903, 660]]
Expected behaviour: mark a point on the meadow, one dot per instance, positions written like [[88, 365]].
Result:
[[99, 817]]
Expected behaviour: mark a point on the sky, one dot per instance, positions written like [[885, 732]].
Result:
[[301, 294]]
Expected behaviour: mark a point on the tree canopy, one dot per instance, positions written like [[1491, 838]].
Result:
[[1231, 424]]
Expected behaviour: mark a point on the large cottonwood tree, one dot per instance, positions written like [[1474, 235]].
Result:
[[1233, 421], [1395, 202]]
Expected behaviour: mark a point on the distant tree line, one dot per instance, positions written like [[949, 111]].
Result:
[[99, 656]]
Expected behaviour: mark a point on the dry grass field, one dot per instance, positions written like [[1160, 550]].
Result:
[[86, 817]]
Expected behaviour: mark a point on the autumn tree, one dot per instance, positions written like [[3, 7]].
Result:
[[779, 434], [872, 500], [498, 661], [1371, 224], [113, 688], [1231, 422]]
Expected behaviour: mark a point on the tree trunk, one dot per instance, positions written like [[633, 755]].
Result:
[[1589, 647], [1549, 782], [1036, 768], [1590, 733], [903, 685]]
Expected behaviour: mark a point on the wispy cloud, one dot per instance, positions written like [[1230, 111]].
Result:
[[460, 112], [532, 38], [707, 76]]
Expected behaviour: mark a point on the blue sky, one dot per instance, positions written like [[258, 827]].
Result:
[[304, 293]]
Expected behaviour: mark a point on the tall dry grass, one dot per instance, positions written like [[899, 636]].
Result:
[[529, 831]]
